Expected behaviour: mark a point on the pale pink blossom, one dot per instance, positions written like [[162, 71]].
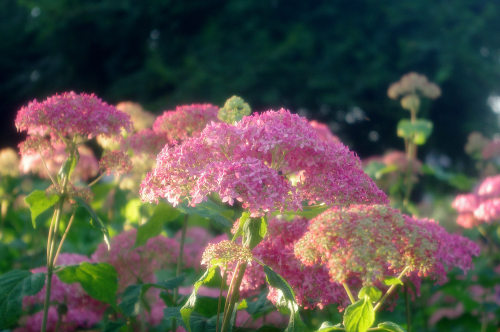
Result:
[[70, 114]]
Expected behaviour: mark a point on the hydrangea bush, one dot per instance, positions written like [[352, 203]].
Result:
[[222, 219]]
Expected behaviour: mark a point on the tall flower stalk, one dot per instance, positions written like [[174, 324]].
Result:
[[67, 119]]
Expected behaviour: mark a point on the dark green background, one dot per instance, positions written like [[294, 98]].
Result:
[[320, 58]]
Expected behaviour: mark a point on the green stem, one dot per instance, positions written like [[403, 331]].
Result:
[[408, 309], [233, 297], [179, 265], [349, 293], [390, 290], [50, 264], [51, 242], [219, 303]]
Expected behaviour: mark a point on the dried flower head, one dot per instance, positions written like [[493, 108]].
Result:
[[70, 114], [9, 162], [413, 84], [225, 252], [185, 121], [253, 162], [235, 108]]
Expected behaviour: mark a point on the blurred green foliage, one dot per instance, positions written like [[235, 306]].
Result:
[[326, 57]]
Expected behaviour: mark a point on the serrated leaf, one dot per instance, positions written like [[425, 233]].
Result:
[[391, 327], [162, 214], [39, 202], [286, 300], [99, 280], [389, 281], [188, 308], [370, 292], [14, 286], [417, 131], [97, 222], [328, 326], [218, 213], [359, 316]]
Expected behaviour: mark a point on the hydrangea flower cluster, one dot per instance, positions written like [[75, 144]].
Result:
[[312, 285], [413, 83], [9, 162], [254, 161], [70, 114], [135, 265], [480, 206], [83, 311], [141, 119], [116, 162], [185, 121], [225, 252], [54, 157], [372, 242]]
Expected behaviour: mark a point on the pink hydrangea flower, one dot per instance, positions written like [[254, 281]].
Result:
[[146, 142], [185, 121], [480, 206], [135, 265], [54, 157], [70, 114], [372, 242], [83, 311], [117, 162], [254, 162]]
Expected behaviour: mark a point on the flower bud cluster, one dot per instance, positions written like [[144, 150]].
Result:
[[413, 84]]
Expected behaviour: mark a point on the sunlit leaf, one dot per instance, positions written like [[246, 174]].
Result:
[[38, 202]]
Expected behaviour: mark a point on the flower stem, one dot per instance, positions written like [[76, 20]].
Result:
[[408, 309], [222, 283], [233, 294], [390, 290], [349, 293], [179, 265]]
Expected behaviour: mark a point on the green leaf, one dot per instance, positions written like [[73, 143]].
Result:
[[39, 202], [14, 285], [162, 214], [370, 292], [359, 316], [100, 280], [328, 326], [390, 326], [417, 131], [130, 303], [188, 308], [221, 215], [97, 222], [389, 281], [69, 165], [286, 300], [254, 230]]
